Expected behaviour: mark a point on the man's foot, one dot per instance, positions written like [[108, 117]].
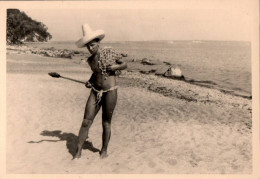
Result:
[[78, 154], [103, 154]]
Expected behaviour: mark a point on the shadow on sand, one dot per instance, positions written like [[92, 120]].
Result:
[[71, 141]]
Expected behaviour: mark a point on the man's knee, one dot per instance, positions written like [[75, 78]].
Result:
[[87, 123], [106, 124]]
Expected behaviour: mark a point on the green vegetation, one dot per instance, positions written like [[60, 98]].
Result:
[[21, 28]]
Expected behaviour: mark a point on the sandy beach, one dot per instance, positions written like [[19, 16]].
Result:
[[159, 125]]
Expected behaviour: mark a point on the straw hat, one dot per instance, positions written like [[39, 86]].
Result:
[[88, 35]]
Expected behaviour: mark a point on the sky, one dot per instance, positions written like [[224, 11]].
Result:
[[219, 21]]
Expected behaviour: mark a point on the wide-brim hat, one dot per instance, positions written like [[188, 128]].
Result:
[[89, 35]]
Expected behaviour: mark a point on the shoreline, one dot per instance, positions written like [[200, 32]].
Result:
[[150, 67]]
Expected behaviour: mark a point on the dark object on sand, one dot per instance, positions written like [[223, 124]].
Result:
[[57, 75], [176, 77], [167, 63], [124, 54], [146, 61], [147, 71], [76, 52]]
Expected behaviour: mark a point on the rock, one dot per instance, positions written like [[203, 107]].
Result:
[[146, 61], [76, 52], [83, 61], [161, 70], [51, 48], [64, 54], [167, 63], [124, 54], [47, 54], [147, 71], [173, 72], [33, 51]]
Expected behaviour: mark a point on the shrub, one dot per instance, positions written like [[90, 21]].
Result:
[[21, 28]]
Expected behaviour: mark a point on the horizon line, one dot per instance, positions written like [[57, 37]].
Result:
[[151, 40]]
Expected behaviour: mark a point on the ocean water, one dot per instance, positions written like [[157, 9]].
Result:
[[222, 64]]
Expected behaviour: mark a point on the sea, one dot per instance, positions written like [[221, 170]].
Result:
[[225, 65]]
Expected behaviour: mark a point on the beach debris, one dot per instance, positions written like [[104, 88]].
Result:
[[146, 61]]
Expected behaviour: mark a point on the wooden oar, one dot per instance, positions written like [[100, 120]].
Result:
[[57, 75]]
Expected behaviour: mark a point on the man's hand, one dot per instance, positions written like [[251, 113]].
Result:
[[111, 67], [88, 84]]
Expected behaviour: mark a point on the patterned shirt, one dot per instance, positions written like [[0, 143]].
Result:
[[108, 56]]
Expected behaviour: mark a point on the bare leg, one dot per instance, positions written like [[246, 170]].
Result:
[[108, 106], [90, 112]]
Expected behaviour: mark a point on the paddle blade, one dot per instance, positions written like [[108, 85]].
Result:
[[54, 74]]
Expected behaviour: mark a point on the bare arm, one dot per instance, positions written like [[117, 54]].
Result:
[[89, 82], [91, 78]]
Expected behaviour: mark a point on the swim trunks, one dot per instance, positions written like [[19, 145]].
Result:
[[100, 92]]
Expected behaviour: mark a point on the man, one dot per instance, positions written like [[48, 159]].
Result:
[[103, 84]]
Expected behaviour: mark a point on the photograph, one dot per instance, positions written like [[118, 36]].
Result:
[[135, 88]]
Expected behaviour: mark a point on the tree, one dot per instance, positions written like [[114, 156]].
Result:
[[21, 28]]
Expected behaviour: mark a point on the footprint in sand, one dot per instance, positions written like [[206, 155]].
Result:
[[151, 164], [160, 170], [36, 125], [172, 162], [193, 163]]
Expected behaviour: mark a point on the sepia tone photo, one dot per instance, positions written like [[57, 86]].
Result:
[[129, 90]]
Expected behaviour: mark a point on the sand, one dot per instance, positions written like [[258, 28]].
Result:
[[159, 125]]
